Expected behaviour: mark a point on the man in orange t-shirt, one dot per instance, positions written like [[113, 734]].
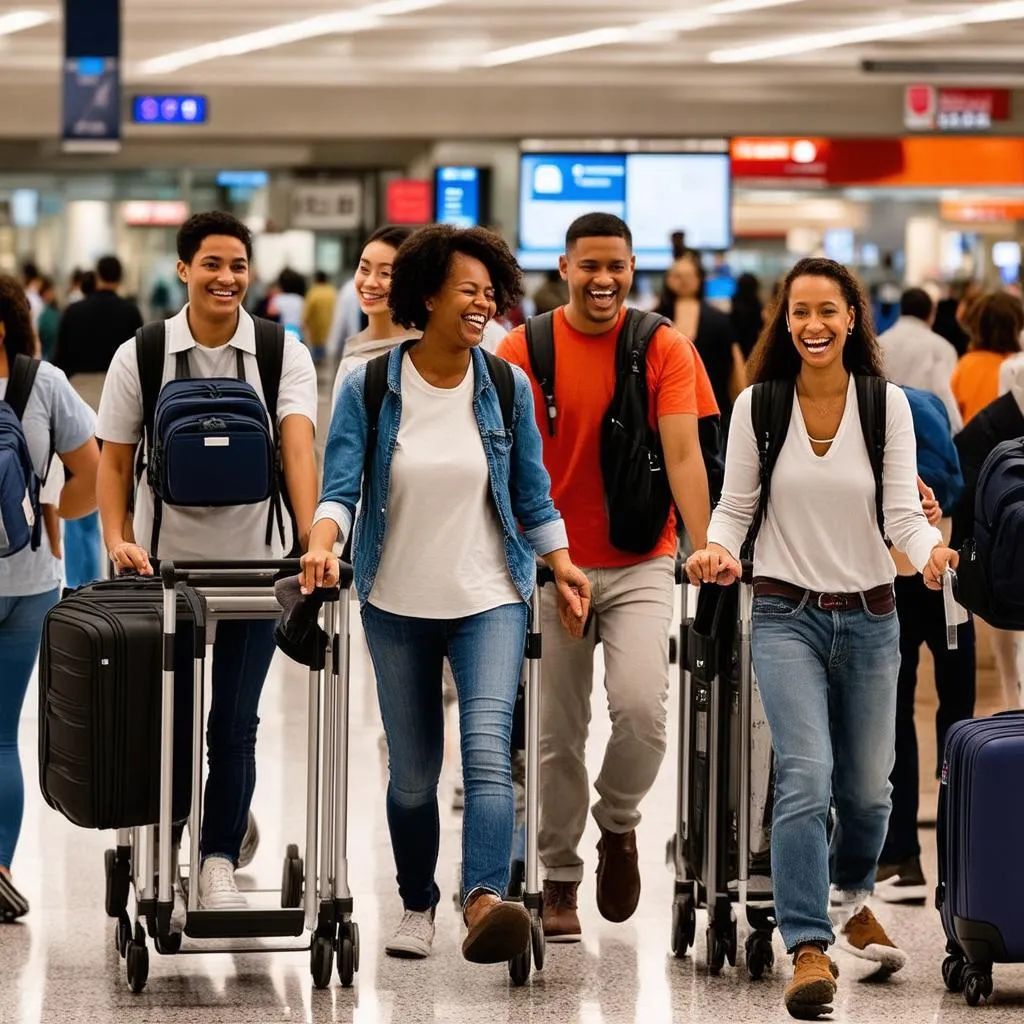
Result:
[[633, 595]]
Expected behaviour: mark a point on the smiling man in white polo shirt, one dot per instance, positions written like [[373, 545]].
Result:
[[214, 250]]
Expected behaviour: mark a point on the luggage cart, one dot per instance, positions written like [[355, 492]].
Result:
[[315, 895], [713, 819], [519, 967]]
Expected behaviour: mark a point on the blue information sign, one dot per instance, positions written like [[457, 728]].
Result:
[[169, 110], [92, 104]]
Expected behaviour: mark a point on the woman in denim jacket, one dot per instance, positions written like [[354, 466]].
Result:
[[443, 568]]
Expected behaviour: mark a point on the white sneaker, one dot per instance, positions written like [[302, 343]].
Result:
[[414, 938], [217, 888], [179, 911], [250, 842]]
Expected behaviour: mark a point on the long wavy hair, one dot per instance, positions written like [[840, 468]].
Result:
[[776, 357], [16, 316]]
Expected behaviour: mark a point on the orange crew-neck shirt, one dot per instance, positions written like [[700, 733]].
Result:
[[677, 384]]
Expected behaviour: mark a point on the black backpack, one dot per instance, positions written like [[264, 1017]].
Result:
[[771, 408], [375, 388], [636, 485], [150, 350]]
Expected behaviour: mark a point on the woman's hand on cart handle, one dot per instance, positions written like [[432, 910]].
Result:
[[573, 592], [320, 568], [713, 564], [130, 557], [942, 558]]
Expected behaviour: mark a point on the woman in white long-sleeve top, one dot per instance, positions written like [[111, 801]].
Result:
[[825, 632]]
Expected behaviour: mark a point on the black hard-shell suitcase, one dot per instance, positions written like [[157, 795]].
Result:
[[100, 688]]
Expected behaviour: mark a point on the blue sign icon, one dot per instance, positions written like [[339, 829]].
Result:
[[169, 110]]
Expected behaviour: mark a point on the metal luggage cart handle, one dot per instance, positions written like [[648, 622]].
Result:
[[240, 574]]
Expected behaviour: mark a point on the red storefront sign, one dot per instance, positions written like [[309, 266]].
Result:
[[410, 201], [928, 108], [806, 159]]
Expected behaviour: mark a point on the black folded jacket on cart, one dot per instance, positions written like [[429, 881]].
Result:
[[298, 633]]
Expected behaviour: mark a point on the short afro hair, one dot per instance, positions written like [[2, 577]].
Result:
[[423, 263], [202, 225]]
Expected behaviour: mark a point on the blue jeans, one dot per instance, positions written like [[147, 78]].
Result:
[[21, 626], [486, 655], [242, 652], [82, 550], [828, 682]]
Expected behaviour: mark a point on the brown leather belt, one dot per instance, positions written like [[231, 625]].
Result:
[[879, 600]]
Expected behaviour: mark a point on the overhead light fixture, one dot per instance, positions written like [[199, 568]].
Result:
[[360, 19], [900, 28], [653, 28], [19, 21]]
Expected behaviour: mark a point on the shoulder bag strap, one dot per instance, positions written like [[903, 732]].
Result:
[[540, 349]]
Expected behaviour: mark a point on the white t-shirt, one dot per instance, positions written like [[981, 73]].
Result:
[[444, 548], [56, 414], [234, 532], [820, 532]]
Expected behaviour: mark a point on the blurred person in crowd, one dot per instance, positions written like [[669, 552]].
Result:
[[679, 247], [747, 313], [88, 284], [32, 279], [290, 301], [90, 332], [49, 319], [75, 293], [683, 303], [914, 356], [885, 294], [552, 294], [317, 314], [949, 313], [995, 322]]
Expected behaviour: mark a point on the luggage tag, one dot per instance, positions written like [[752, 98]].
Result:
[[955, 614]]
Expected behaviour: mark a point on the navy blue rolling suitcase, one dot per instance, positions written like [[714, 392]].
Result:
[[980, 837]]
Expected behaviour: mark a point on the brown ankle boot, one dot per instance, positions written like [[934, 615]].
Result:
[[561, 921], [618, 875], [498, 929], [810, 993]]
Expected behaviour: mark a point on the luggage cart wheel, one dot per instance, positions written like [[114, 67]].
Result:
[[538, 942], [321, 961], [347, 954], [953, 973], [760, 955], [716, 951], [977, 985], [292, 878], [122, 934], [168, 945], [118, 872], [684, 925], [137, 961], [519, 968]]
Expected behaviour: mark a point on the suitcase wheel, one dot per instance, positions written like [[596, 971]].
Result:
[[953, 974], [348, 953], [137, 962], [321, 960], [760, 955], [519, 967], [538, 942], [684, 925], [122, 934], [292, 878], [977, 984]]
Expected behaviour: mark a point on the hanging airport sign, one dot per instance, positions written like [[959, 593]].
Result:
[[91, 93], [327, 205], [931, 109]]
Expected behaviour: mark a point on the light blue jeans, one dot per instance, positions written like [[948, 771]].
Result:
[[21, 626], [486, 656], [828, 682]]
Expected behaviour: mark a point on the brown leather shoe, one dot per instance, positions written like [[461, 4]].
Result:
[[810, 993], [561, 921], [498, 929], [618, 875]]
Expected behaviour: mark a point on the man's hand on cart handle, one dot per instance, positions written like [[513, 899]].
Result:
[[713, 564]]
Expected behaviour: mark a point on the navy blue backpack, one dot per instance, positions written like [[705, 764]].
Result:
[[937, 460], [20, 511], [209, 442]]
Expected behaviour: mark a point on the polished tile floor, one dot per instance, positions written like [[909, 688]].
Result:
[[59, 965]]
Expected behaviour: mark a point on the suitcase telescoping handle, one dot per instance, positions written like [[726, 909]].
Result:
[[237, 573]]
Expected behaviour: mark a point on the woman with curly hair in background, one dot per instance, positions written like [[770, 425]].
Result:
[[442, 568]]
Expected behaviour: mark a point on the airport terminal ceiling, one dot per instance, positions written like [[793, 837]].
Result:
[[367, 69]]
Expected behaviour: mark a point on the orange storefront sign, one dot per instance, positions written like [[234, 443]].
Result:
[[982, 210], [910, 162]]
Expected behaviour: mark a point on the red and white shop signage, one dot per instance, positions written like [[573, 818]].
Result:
[[164, 213], [806, 159], [929, 109]]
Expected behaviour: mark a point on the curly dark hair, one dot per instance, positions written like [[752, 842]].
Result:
[[16, 316], [423, 263], [202, 225], [775, 357]]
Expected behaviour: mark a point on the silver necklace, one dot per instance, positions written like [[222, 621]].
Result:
[[821, 440]]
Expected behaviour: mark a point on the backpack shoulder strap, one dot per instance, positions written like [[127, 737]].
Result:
[[19, 387], [505, 384], [540, 348], [871, 401], [150, 341], [375, 387], [270, 361], [771, 408]]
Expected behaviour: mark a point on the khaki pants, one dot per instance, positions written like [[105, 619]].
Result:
[[633, 610]]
